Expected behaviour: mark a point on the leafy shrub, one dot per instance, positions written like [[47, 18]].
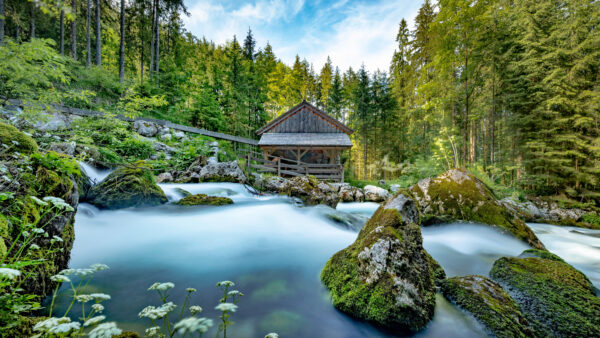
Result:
[[56, 162], [593, 219], [135, 148]]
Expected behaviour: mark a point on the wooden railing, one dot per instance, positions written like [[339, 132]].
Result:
[[280, 166]]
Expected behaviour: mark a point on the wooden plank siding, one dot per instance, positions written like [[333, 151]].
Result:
[[305, 121]]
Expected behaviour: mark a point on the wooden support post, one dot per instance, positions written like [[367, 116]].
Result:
[[279, 168], [248, 164], [342, 173]]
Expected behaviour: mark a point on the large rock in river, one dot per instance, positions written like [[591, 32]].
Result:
[[488, 303], [385, 276], [557, 299], [128, 186], [311, 191], [458, 195], [375, 194]]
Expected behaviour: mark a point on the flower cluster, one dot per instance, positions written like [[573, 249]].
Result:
[[105, 330], [9, 273], [59, 203], [153, 312], [161, 286], [193, 324], [226, 307]]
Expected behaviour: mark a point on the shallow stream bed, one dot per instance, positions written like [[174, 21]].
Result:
[[274, 251]]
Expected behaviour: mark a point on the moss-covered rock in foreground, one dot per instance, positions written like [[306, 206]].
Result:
[[16, 139], [385, 276], [488, 303], [557, 299], [202, 199], [130, 186], [458, 195]]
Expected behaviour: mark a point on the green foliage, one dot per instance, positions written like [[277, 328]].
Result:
[[135, 148], [593, 219], [59, 163]]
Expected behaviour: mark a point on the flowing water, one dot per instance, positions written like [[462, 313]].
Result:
[[272, 249]]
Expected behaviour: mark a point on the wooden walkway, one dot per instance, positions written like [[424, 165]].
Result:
[[200, 131], [280, 166]]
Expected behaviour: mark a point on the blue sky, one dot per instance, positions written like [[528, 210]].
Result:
[[351, 32]]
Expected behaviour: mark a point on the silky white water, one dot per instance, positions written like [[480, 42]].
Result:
[[271, 248]]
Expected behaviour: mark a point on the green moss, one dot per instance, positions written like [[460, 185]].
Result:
[[127, 334], [592, 219], [23, 327], [488, 303], [16, 139], [438, 272], [557, 299], [202, 199], [458, 195], [129, 186], [540, 254], [376, 301]]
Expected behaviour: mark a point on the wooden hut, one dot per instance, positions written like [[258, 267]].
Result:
[[305, 140]]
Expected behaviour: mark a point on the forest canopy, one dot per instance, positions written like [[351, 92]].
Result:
[[508, 88]]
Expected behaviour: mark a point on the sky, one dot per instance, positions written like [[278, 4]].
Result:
[[351, 32]]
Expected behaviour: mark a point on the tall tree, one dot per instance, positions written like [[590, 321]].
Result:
[[325, 83], [362, 102], [2, 15], [98, 32], [249, 46], [88, 50], [62, 32], [122, 44], [32, 10], [74, 30]]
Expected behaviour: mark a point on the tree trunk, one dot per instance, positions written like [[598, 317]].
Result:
[[62, 32], [32, 22], [1, 21], [122, 47], [74, 30], [157, 43], [88, 54], [467, 130], [152, 40], [98, 35]]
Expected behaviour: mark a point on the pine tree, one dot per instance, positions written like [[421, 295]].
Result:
[[249, 46], [325, 84]]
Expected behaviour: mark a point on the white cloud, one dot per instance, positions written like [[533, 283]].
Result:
[[351, 34]]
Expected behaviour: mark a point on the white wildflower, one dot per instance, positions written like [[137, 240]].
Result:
[[98, 307], [38, 201], [84, 272], [192, 324], [49, 323], [38, 231], [34, 247], [194, 309], [55, 239], [157, 312], [99, 297], [64, 328], [59, 203], [161, 286], [190, 290], [9, 273], [26, 233], [83, 298], [99, 267], [67, 272], [226, 307], [234, 293], [153, 332], [94, 321], [272, 335], [105, 330], [15, 142], [226, 283], [60, 278]]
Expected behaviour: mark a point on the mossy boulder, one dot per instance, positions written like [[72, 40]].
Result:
[[385, 276], [128, 186], [488, 303], [202, 199], [457, 195], [557, 299], [16, 139], [310, 190]]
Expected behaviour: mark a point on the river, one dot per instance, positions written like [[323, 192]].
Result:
[[274, 250]]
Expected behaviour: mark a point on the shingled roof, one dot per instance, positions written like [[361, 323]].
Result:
[[340, 127], [306, 140]]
